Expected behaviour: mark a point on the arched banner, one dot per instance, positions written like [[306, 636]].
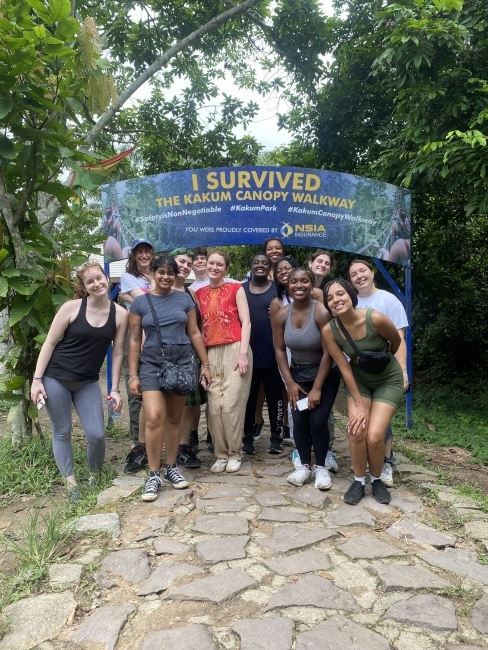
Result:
[[246, 205]]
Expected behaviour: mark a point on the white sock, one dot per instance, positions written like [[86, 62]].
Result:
[[361, 479], [374, 479]]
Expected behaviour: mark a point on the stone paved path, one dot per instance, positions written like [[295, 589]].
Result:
[[251, 562]]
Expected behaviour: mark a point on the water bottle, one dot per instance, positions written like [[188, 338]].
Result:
[[111, 404]]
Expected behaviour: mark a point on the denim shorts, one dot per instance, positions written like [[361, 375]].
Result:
[[151, 359]]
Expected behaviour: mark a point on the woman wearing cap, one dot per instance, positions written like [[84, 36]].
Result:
[[137, 280], [111, 228]]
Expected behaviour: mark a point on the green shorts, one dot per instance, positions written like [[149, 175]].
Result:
[[386, 387]]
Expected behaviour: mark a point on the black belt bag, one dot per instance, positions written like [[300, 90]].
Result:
[[304, 373], [368, 361], [173, 378]]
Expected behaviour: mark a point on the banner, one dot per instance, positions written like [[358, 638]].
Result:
[[246, 205]]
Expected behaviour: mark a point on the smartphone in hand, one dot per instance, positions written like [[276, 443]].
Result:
[[204, 383], [40, 402]]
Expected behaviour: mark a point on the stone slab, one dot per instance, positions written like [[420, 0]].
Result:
[[270, 498], [459, 561], [227, 492], [275, 514], [289, 538], [426, 611], [455, 646], [273, 633], [169, 546], [227, 479], [273, 480], [347, 516], [277, 470], [245, 469], [409, 505], [420, 533], [399, 577], [192, 637], [339, 633], [108, 522], [131, 564], [220, 505], [35, 620], [216, 588], [64, 576], [115, 493], [224, 549], [104, 625], [407, 468], [157, 527], [479, 615], [124, 481], [172, 499], [218, 525], [165, 575], [305, 562], [311, 497], [477, 529], [368, 547], [312, 591]]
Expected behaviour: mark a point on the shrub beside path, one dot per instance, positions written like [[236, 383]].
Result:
[[248, 561]]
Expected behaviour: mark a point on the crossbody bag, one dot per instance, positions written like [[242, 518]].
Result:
[[368, 361]]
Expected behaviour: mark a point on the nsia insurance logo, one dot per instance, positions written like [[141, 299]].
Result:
[[302, 230]]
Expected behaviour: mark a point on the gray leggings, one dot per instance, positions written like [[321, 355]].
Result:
[[87, 400]]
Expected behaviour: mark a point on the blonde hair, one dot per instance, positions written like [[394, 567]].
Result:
[[79, 289]]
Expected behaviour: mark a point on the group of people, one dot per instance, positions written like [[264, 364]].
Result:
[[285, 333]]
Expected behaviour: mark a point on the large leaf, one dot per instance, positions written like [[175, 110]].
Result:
[[3, 254], [24, 287], [32, 411], [3, 286], [20, 308], [41, 10], [6, 104], [59, 9], [10, 272], [7, 149], [15, 382]]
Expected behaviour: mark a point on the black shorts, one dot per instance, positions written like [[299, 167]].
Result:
[[151, 359]]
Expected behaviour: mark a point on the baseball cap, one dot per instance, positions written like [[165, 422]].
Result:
[[140, 240]]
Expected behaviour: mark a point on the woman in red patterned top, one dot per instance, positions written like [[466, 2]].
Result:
[[226, 332]]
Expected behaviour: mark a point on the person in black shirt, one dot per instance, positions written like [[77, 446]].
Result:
[[260, 291]]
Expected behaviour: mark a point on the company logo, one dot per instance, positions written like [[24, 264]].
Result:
[[286, 230]]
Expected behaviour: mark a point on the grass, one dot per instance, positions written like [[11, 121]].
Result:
[[449, 416], [464, 598]]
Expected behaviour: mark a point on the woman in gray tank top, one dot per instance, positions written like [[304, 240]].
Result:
[[309, 375]]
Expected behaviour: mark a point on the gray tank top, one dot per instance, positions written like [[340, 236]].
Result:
[[305, 343]]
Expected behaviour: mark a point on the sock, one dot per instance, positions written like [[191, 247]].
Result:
[[361, 479], [373, 479]]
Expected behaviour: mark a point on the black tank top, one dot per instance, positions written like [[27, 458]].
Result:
[[80, 353]]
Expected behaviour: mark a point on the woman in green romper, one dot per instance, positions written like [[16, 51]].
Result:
[[372, 399]]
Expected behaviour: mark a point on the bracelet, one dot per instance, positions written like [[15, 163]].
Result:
[[38, 378], [209, 366], [132, 379], [114, 391]]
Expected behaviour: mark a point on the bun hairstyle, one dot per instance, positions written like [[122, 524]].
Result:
[[306, 270], [351, 291], [79, 289], [164, 260]]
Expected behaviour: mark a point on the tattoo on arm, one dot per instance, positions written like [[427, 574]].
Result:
[[136, 333]]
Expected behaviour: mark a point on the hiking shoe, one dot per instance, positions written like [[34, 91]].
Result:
[[187, 458], [295, 459], [322, 477], [387, 474], [248, 447], [153, 485], [256, 430], [355, 493], [74, 494], [136, 459], [286, 435], [175, 477], [219, 466], [330, 462], [233, 465], [300, 476], [193, 444], [275, 446], [380, 493]]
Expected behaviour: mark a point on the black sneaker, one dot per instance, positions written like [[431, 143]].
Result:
[[194, 442], [152, 488], [355, 493], [256, 430], [286, 435], [210, 445], [380, 493], [275, 446], [175, 477], [136, 459], [248, 447], [187, 458]]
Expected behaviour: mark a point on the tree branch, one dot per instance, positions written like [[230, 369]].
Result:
[[14, 232], [162, 60], [156, 135]]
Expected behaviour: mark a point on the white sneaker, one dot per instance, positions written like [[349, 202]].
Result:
[[219, 466], [387, 474], [300, 476], [233, 465], [322, 477], [330, 462]]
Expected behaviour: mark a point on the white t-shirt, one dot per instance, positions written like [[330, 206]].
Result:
[[128, 282], [387, 304], [198, 284]]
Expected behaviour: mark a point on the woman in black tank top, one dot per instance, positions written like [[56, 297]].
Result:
[[68, 368]]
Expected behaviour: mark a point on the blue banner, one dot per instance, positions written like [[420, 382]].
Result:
[[246, 205]]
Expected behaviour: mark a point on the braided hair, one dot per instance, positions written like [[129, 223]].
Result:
[[280, 289], [306, 270], [347, 286]]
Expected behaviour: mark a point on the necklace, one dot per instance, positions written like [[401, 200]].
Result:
[[96, 308]]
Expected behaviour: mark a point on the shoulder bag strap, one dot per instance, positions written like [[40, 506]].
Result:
[[156, 324], [347, 335]]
